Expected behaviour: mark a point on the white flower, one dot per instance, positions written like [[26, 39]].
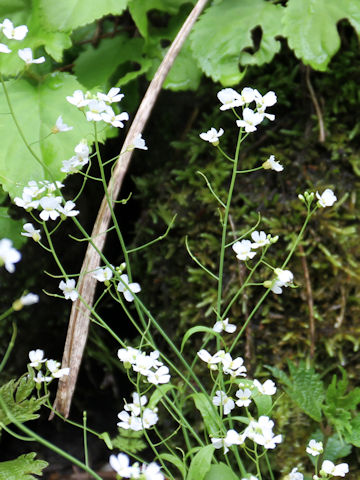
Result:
[[149, 418], [224, 325], [235, 367], [295, 475], [160, 376], [11, 32], [96, 107], [272, 164], [31, 232], [29, 299], [128, 288], [112, 96], [229, 98], [55, 369], [284, 276], [68, 210], [26, 54], [248, 95], [36, 357], [143, 364], [102, 274], [73, 165], [40, 378], [139, 143], [60, 126], [314, 448], [128, 355], [4, 48], [211, 360], [50, 207], [69, 289], [327, 199], [82, 150], [260, 239], [151, 472], [222, 399], [261, 432], [78, 99], [129, 422], [250, 120], [232, 438], [115, 120], [262, 102], [336, 470], [267, 388], [212, 136], [120, 464], [8, 255], [138, 402], [244, 397], [243, 250]]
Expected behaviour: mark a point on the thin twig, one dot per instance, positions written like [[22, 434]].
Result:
[[80, 315], [310, 300], [315, 102]]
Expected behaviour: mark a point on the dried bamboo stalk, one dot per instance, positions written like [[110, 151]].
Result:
[[80, 316]]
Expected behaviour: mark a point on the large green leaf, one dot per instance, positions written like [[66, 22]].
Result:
[[211, 418], [225, 30], [311, 28], [36, 108], [201, 463], [67, 15], [11, 228], [185, 74], [221, 471], [111, 53], [23, 467]]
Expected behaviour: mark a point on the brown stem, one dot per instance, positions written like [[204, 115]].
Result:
[[310, 301], [315, 102], [80, 315]]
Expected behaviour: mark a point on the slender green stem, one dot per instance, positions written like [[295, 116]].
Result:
[[9, 347]]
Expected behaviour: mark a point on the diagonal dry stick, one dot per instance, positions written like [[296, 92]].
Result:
[[80, 315]]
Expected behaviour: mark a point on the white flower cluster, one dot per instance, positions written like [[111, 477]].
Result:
[[147, 365], [8, 255], [98, 106], [138, 418], [243, 394], [315, 448], [283, 278], [53, 368], [17, 33], [42, 195], [105, 274], [233, 367], [260, 432], [121, 464], [77, 161], [244, 248]]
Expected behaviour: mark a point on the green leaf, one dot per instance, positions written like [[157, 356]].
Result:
[[198, 329], [36, 108], [221, 471], [306, 390], [185, 74], [168, 457], [353, 436], [110, 53], [201, 463], [225, 30], [279, 374], [11, 228], [160, 392], [129, 440], [210, 416], [67, 15], [23, 467], [311, 28], [15, 395]]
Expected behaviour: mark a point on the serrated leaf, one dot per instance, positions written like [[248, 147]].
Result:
[[23, 467], [67, 15], [15, 395], [221, 471], [223, 32], [129, 440], [110, 53], [311, 28], [201, 463], [36, 108], [279, 374], [306, 389], [353, 436], [210, 417]]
